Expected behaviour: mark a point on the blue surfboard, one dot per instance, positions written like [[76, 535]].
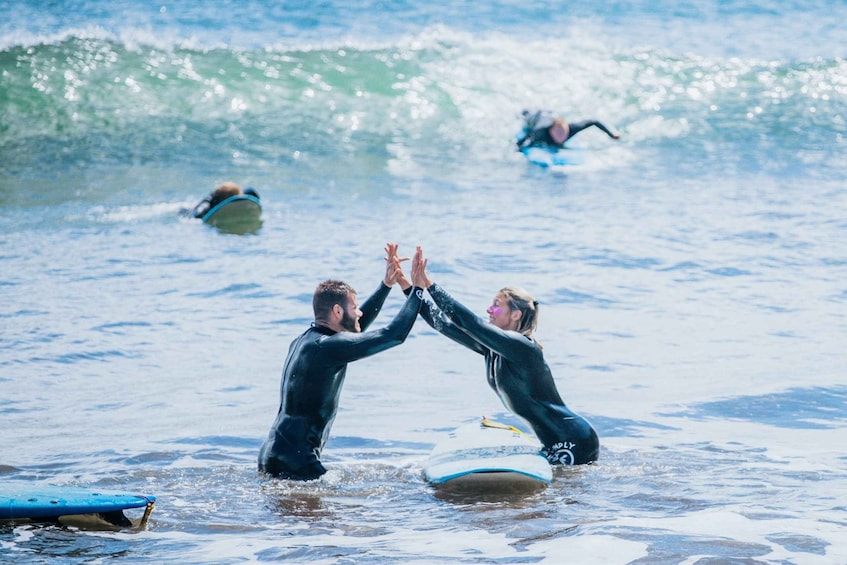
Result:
[[552, 157], [239, 214], [34, 502]]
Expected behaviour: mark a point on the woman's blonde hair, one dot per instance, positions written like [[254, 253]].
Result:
[[519, 299]]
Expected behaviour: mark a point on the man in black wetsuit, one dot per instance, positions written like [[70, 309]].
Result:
[[316, 365], [515, 367], [542, 128]]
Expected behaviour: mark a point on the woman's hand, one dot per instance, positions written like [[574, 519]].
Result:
[[419, 276]]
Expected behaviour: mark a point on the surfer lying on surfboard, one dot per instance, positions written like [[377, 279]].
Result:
[[514, 365], [224, 191], [542, 128]]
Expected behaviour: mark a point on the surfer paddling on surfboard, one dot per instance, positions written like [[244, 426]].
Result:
[[222, 192], [317, 361], [514, 365], [541, 128]]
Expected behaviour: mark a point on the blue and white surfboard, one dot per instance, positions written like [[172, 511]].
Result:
[[22, 500], [551, 157], [487, 452], [239, 213]]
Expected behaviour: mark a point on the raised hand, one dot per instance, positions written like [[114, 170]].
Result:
[[393, 271], [419, 276]]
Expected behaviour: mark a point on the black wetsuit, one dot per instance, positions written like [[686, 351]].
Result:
[[516, 370], [312, 377], [541, 136]]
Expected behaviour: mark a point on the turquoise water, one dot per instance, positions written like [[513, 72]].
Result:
[[691, 275]]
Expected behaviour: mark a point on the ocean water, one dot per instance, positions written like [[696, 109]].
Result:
[[691, 276]]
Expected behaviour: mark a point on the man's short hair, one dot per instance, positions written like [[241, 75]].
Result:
[[224, 191], [328, 294]]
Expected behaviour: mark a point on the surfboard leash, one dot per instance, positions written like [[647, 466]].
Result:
[[486, 423]]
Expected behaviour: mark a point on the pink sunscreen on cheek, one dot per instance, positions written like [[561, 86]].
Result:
[[494, 311]]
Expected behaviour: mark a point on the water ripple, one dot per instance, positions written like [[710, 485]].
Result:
[[798, 408]]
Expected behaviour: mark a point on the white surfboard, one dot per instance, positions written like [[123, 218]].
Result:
[[241, 214], [486, 453]]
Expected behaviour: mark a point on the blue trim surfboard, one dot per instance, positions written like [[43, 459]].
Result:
[[44, 502], [547, 156], [490, 453], [239, 211], [551, 157]]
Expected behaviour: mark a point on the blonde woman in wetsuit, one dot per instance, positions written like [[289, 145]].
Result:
[[515, 366]]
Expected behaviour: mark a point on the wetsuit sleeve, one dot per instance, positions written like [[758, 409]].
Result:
[[510, 345], [202, 207], [577, 127], [442, 324], [345, 347], [372, 306]]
